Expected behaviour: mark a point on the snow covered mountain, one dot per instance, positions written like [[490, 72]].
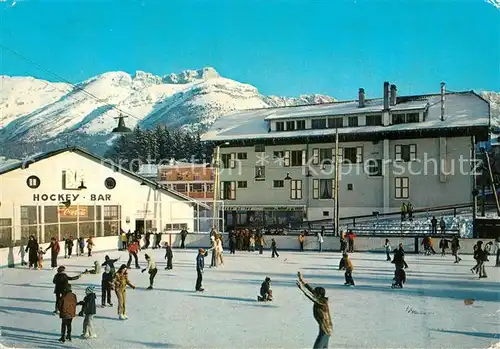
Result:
[[41, 115]]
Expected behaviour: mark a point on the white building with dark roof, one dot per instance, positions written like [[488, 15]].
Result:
[[73, 192], [278, 162]]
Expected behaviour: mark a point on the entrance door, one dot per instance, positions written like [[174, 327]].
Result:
[[143, 225]]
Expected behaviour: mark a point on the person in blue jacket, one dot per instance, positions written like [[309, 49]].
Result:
[[200, 265]]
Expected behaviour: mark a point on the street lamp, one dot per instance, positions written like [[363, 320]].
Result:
[[216, 161], [287, 178]]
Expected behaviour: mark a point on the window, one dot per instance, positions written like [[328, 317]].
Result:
[[280, 126], [374, 168], [110, 183], [406, 152], [412, 117], [326, 213], [290, 125], [112, 220], [295, 189], [278, 184], [260, 173], [301, 124], [242, 156], [260, 148], [398, 119], [228, 190], [352, 121], [196, 187], [374, 120], [349, 186], [323, 188], [318, 123], [242, 184], [181, 187], [315, 156], [5, 232], [228, 160], [402, 186], [176, 226], [33, 182], [278, 154], [326, 155], [282, 157], [298, 157], [353, 155], [335, 122]]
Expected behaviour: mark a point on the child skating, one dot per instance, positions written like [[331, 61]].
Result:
[[106, 286], [348, 271], [89, 307], [41, 252], [168, 256], [96, 270], [67, 312], [266, 294], [152, 270], [274, 248], [200, 266]]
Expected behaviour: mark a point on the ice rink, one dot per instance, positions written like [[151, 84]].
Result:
[[428, 313]]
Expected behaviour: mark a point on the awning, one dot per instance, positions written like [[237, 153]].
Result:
[[265, 208]]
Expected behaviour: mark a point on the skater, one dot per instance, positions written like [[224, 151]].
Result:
[[497, 245], [301, 240], [158, 239], [398, 262], [96, 270], [147, 240], [67, 312], [133, 249], [81, 245], [123, 238], [321, 312], [403, 211], [70, 244], [152, 270], [200, 265], [409, 209], [266, 294], [426, 244], [89, 305], [184, 233], [349, 281], [401, 250], [274, 249], [320, 242], [219, 250], [475, 268], [442, 225], [90, 246], [443, 245], [387, 247], [431, 245], [106, 286], [455, 246], [168, 256], [262, 243], [55, 248], [61, 281], [111, 263], [213, 248], [32, 250], [252, 243], [482, 257], [232, 242], [121, 282], [342, 262], [41, 252], [350, 241]]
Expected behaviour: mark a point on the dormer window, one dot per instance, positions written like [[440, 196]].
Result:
[[318, 124], [301, 124], [405, 118], [335, 122], [374, 120], [290, 125], [280, 126]]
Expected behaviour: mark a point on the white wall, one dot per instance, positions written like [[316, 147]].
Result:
[[136, 201]]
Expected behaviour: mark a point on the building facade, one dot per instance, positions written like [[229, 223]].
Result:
[[73, 192], [279, 165]]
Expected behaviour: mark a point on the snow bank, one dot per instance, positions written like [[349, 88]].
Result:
[[495, 346]]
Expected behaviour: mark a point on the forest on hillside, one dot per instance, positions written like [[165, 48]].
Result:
[[159, 146]]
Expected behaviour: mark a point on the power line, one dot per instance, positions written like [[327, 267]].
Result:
[[78, 88]]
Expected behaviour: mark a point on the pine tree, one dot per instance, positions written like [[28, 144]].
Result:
[[164, 143], [188, 147], [198, 149]]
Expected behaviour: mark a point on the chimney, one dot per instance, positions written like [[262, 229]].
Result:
[[443, 94], [386, 95], [361, 98], [394, 95]]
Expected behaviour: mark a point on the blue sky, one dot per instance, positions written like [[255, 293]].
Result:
[[281, 47]]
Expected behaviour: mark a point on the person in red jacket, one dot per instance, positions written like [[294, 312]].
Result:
[[55, 248], [67, 312], [350, 241], [133, 249]]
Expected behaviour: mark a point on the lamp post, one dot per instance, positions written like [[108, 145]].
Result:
[[216, 161], [336, 202]]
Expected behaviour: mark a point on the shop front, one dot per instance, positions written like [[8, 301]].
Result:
[[263, 216]]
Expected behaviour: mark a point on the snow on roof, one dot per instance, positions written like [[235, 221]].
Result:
[[463, 109]]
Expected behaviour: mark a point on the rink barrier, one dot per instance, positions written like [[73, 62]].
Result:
[[12, 256]]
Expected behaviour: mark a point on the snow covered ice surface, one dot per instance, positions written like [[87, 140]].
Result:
[[428, 313]]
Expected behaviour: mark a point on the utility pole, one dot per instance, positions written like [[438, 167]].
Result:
[[493, 187], [216, 162], [337, 220]]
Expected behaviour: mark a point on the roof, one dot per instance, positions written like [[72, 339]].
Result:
[[462, 110], [102, 161]]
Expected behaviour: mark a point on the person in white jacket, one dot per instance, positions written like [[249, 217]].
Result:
[[219, 249], [320, 242], [152, 270]]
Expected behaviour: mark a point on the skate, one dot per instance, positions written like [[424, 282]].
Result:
[[200, 290], [121, 317], [62, 340], [110, 304], [85, 336], [55, 312], [260, 299], [125, 316], [149, 288], [68, 338], [103, 305]]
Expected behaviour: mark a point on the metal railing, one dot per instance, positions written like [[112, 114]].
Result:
[[402, 232]]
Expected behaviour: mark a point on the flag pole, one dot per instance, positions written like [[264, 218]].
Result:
[[336, 209]]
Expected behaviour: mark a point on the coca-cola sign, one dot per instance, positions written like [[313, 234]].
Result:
[[73, 211]]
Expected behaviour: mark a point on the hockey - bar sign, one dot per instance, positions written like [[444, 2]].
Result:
[[70, 197]]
